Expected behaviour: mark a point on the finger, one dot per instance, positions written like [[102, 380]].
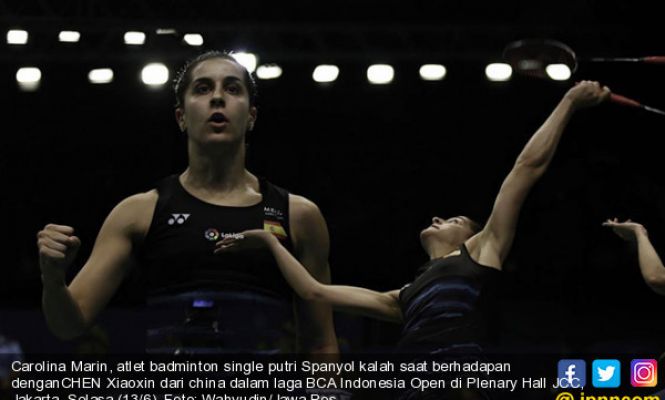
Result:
[[45, 252], [225, 242], [65, 229], [54, 235], [51, 244], [225, 249], [224, 245], [74, 242]]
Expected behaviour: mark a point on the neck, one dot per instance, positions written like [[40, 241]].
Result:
[[440, 250], [222, 169]]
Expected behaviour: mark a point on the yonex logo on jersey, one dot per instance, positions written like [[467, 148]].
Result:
[[178, 219]]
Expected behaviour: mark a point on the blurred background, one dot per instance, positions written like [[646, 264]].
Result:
[[379, 159]]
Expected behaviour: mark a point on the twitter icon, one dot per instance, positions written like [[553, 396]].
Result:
[[606, 373]]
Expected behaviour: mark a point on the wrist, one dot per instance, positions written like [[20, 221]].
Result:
[[53, 279], [568, 101], [271, 241], [641, 231]]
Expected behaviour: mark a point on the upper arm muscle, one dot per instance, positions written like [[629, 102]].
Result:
[[311, 241], [101, 275]]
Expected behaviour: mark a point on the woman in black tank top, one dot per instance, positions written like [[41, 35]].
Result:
[[441, 309], [171, 231]]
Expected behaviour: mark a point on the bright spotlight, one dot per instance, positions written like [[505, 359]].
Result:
[[155, 74], [100, 75], [380, 74], [247, 60], [17, 36], [69, 36], [325, 73], [134, 38], [498, 72], [432, 72], [193, 39], [269, 71], [558, 72], [28, 78]]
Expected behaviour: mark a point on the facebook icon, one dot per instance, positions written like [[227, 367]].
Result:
[[571, 374]]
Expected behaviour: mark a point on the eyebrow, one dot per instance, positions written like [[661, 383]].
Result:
[[226, 80]]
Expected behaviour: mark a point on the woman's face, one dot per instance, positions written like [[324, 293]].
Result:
[[451, 230], [216, 106]]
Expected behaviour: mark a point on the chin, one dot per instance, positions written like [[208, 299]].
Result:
[[223, 137], [426, 234]]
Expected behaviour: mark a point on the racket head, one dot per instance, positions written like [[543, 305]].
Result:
[[532, 56]]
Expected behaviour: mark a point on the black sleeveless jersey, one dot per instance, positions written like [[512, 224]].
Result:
[[444, 307], [177, 253]]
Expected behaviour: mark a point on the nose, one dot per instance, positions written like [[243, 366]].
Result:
[[437, 220], [217, 99]]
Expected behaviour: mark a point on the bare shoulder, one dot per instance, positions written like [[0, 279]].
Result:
[[483, 251], [393, 294], [134, 213], [301, 207], [138, 203], [305, 216], [308, 227]]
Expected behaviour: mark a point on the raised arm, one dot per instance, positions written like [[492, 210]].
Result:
[[370, 303], [492, 245], [70, 310], [651, 266]]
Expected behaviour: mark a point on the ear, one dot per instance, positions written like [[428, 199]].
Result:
[[252, 118], [180, 119]]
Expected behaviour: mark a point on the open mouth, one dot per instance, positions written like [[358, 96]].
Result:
[[218, 118]]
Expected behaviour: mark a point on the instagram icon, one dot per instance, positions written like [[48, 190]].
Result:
[[644, 373]]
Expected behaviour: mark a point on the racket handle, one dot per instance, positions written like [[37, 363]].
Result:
[[615, 98], [654, 59]]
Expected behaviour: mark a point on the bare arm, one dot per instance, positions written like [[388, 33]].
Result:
[[70, 310], [351, 299], [492, 245], [309, 234], [651, 266]]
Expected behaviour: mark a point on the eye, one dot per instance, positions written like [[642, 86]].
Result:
[[202, 88], [233, 88]]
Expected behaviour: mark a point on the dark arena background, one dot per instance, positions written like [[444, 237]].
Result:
[[379, 160]]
